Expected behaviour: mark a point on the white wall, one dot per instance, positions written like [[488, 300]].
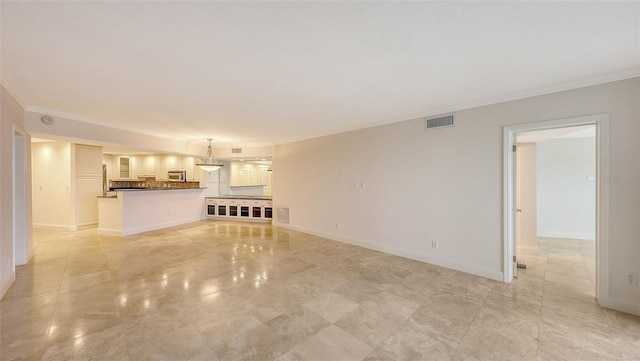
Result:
[[526, 196], [566, 188], [415, 186], [11, 119], [52, 184]]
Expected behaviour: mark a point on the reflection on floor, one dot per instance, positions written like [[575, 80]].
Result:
[[237, 291]]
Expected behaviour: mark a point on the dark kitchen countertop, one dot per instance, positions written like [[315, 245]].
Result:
[[155, 189], [257, 198]]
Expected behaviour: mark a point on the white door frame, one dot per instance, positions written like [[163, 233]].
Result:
[[19, 204], [601, 121]]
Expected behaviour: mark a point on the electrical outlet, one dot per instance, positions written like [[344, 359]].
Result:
[[632, 279], [337, 225], [9, 262], [434, 244]]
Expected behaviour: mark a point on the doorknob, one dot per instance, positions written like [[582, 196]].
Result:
[[518, 210]]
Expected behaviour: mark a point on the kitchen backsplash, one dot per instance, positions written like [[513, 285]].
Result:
[[151, 182]]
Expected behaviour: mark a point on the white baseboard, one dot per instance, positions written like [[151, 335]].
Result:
[[110, 232], [56, 226], [563, 235], [86, 225], [478, 271], [620, 305], [6, 284]]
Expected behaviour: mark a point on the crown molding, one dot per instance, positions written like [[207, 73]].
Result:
[[7, 81], [555, 88]]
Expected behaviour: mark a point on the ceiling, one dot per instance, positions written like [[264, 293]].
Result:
[[258, 73]]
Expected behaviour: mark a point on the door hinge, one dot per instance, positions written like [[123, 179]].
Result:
[[514, 258], [514, 148]]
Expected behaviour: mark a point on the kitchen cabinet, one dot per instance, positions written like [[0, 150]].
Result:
[[188, 164], [239, 209], [161, 168], [166, 163], [171, 162], [249, 174], [146, 165], [125, 167]]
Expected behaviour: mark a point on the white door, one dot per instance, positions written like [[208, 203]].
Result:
[[526, 219], [514, 208]]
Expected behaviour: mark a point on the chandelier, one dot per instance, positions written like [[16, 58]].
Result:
[[209, 162]]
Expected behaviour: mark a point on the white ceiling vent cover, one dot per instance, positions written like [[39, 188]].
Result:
[[442, 122], [283, 215]]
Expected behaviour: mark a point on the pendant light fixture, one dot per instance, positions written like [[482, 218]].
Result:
[[209, 162]]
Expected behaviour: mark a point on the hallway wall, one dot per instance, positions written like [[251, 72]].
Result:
[[566, 188], [11, 119]]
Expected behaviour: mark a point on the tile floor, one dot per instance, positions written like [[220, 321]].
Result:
[[237, 291]]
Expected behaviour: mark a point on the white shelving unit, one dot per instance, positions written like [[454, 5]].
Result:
[[239, 209]]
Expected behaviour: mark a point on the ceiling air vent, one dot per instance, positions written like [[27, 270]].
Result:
[[236, 150], [283, 215], [441, 122]]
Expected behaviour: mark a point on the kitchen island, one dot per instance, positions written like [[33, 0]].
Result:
[[134, 211]]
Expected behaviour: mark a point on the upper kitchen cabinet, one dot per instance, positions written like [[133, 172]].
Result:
[[166, 163], [124, 167], [189, 165], [247, 174], [146, 165]]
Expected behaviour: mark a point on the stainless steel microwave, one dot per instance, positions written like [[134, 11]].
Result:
[[177, 175]]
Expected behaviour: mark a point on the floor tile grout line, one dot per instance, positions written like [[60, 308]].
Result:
[[55, 305]]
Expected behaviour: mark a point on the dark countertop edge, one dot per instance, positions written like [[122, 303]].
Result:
[[257, 198], [158, 189], [154, 189]]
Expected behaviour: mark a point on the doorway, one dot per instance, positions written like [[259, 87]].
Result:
[[19, 200], [512, 211], [555, 201]]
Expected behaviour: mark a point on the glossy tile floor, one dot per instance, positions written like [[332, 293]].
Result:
[[237, 291]]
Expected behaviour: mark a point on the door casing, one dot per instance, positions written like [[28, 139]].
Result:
[[601, 121]]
